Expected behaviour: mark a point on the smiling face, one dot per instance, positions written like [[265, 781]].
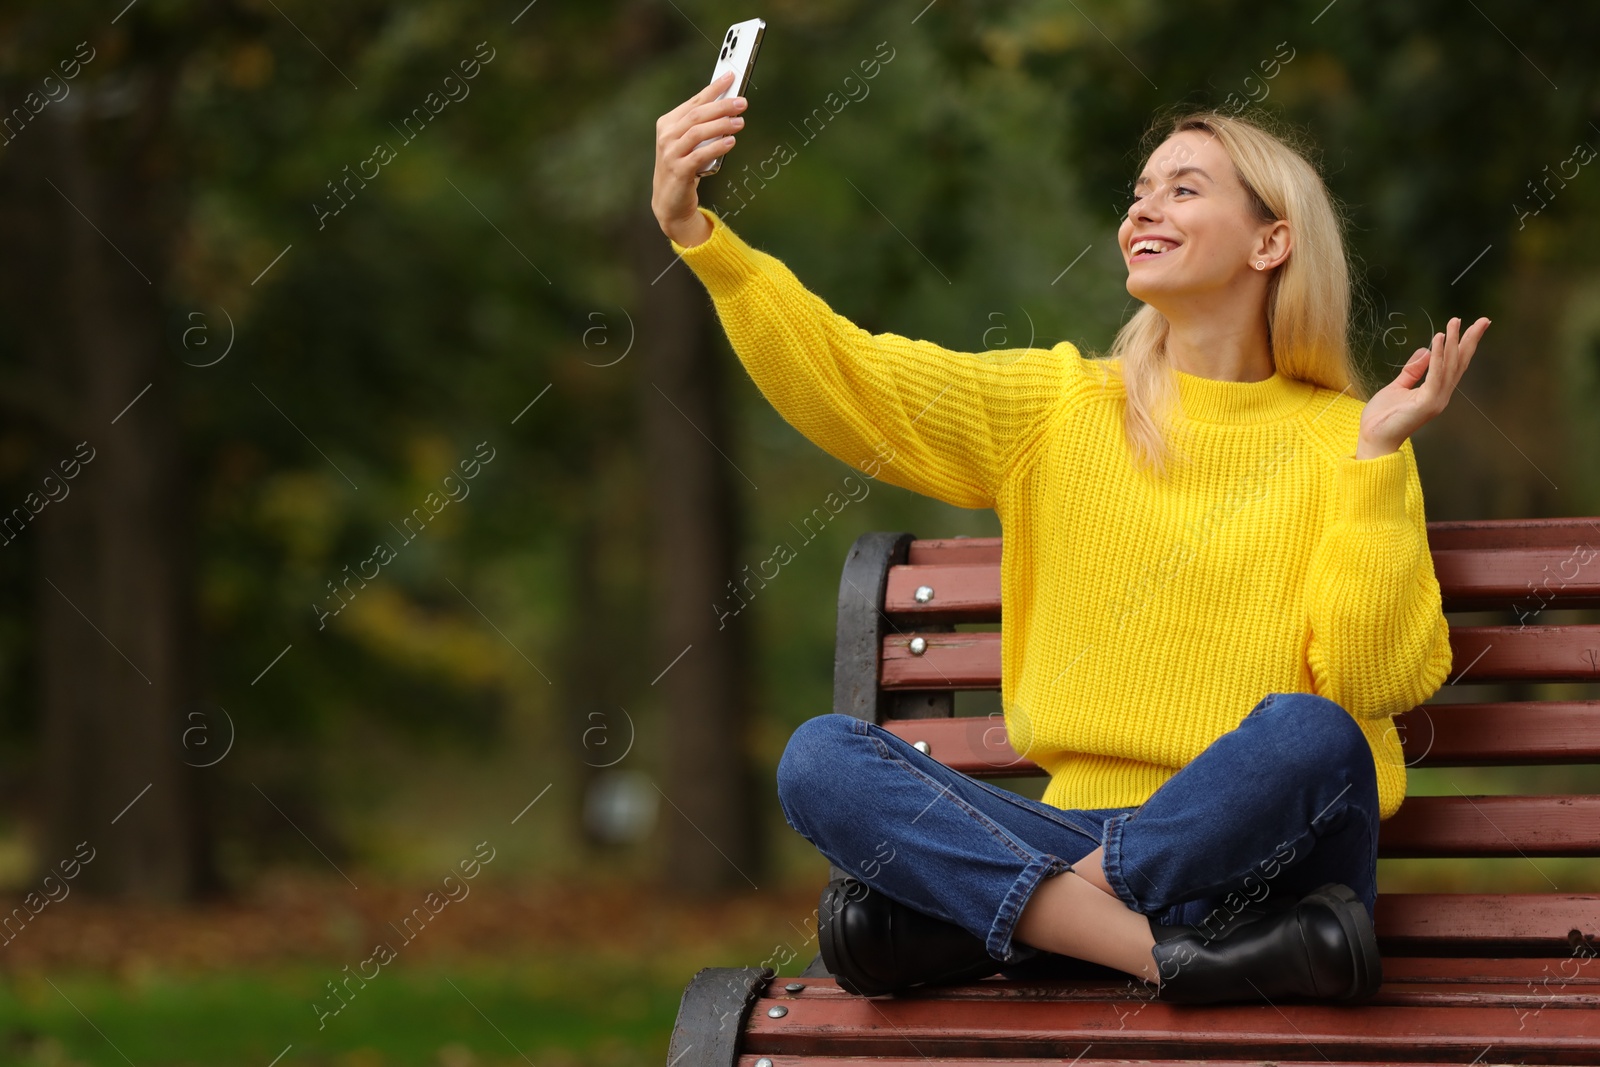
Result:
[[1191, 204]]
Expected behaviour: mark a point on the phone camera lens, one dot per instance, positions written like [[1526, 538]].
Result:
[[724, 51]]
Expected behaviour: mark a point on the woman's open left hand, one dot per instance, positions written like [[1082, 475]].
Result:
[[1398, 410]]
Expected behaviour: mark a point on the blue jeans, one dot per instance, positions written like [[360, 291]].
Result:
[[1280, 804]]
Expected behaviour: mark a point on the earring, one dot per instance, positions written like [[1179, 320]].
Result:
[[1260, 264]]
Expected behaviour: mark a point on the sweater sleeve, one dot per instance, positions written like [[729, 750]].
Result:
[[942, 423], [1380, 643]]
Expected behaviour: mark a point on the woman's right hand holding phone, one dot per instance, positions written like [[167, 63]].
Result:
[[680, 157]]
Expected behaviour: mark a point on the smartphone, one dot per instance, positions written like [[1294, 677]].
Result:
[[738, 54]]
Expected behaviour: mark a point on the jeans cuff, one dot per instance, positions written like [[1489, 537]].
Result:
[[1111, 860], [1000, 942]]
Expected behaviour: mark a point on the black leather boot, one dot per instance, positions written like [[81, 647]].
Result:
[[873, 944], [1321, 947]]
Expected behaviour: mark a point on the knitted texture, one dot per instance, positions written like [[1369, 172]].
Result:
[[1144, 617]]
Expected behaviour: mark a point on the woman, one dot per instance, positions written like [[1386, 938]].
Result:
[[1215, 577]]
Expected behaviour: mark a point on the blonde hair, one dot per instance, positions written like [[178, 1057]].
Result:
[[1308, 303]]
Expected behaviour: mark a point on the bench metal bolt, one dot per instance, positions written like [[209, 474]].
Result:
[[778, 1012], [918, 646], [763, 1062], [924, 594], [794, 987], [921, 746]]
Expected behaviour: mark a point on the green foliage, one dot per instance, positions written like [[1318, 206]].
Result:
[[562, 1011]]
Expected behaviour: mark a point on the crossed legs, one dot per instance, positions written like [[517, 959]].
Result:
[[1028, 878]]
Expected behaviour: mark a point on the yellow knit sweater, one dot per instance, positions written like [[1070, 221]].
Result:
[[1143, 618]]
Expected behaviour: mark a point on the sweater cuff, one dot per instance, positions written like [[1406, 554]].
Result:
[[1372, 492], [720, 260]]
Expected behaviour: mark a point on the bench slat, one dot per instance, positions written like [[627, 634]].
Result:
[[1571, 533], [962, 592], [965, 577], [934, 1025], [1553, 991], [1525, 580], [1432, 735], [952, 661], [1493, 826], [827, 1060], [1564, 532], [961, 550], [1479, 923], [971, 660], [1501, 733], [1399, 970]]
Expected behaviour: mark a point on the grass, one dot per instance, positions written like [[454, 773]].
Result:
[[550, 972], [550, 1012]]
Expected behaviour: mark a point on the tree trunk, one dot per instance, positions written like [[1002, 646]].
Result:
[[114, 589], [593, 727], [709, 814]]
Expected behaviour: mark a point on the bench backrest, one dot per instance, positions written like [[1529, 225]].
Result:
[[899, 661]]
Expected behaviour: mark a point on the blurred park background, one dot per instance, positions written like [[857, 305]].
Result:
[[242, 346]]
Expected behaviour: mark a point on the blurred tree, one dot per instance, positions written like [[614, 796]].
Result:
[[91, 151], [694, 508]]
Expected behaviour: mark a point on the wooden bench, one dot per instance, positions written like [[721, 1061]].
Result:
[[1506, 977]]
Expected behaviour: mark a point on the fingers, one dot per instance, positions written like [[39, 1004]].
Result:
[[681, 130], [1461, 345], [1469, 339], [716, 85], [704, 96], [1419, 368], [1415, 367], [1468, 345], [1440, 355], [715, 126], [680, 133], [1451, 352], [702, 156], [694, 150], [1458, 358]]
